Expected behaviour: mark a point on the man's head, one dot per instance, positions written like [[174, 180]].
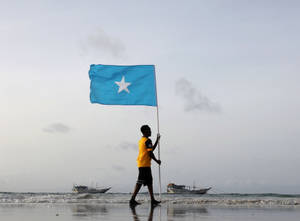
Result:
[[146, 130]]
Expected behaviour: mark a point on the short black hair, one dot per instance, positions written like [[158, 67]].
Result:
[[144, 128]]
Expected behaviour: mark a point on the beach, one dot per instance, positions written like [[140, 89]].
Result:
[[65, 212], [67, 207], [150, 96]]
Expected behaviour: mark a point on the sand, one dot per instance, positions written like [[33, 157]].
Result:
[[114, 212]]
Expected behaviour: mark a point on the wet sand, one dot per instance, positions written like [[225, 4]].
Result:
[[114, 212]]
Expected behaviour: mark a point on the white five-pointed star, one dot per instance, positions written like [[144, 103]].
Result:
[[123, 85]]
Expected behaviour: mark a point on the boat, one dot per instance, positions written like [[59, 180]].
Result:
[[182, 189], [86, 189]]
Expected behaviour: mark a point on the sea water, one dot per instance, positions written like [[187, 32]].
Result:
[[114, 206], [245, 200]]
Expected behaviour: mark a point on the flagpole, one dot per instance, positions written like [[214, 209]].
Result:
[[157, 117]]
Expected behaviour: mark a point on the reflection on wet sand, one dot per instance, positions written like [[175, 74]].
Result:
[[136, 217], [89, 210], [173, 212], [181, 211]]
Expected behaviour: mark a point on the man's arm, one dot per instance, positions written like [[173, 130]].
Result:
[[156, 142], [152, 156], [150, 149]]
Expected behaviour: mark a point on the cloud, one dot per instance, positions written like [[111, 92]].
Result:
[[124, 146], [128, 146], [101, 43], [57, 128], [118, 168], [193, 99]]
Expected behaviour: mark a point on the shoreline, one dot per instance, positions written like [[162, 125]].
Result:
[[115, 212]]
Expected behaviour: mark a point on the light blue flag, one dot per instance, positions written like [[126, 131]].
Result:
[[123, 85]]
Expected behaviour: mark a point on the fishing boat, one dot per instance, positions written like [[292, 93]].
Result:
[[182, 189], [86, 189]]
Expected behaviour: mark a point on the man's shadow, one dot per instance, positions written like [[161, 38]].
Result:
[[136, 217]]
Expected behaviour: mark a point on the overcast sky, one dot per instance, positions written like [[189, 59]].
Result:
[[228, 92]]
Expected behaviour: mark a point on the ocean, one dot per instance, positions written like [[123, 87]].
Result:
[[114, 206], [248, 200]]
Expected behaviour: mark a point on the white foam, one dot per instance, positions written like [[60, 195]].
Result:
[[111, 198]]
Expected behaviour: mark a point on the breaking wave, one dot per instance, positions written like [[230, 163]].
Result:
[[264, 200]]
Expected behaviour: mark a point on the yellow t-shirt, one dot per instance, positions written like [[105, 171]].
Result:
[[145, 145]]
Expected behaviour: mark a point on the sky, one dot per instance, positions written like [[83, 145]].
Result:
[[227, 80]]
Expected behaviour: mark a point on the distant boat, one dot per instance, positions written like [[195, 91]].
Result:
[[86, 189], [173, 188]]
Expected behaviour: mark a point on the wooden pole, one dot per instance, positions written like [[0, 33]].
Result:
[[157, 117]]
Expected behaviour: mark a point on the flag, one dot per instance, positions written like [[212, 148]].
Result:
[[123, 85]]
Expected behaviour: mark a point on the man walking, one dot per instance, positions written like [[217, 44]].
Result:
[[144, 164]]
